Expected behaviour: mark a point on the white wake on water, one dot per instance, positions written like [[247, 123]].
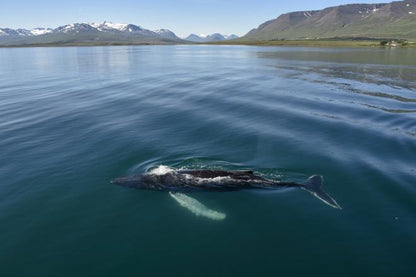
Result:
[[161, 170], [197, 207]]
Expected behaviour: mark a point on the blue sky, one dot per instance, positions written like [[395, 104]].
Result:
[[181, 16]]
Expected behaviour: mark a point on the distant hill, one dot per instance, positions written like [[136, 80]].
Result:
[[210, 38], [388, 20], [88, 33], [165, 33]]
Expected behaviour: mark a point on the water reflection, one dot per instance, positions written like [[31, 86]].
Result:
[[383, 79], [365, 56]]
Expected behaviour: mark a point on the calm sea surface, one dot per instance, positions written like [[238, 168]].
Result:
[[73, 118]]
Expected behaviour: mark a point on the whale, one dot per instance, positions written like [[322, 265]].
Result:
[[179, 182]]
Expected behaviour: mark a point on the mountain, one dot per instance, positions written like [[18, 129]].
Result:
[[232, 36], [194, 38], [88, 33], [165, 33], [386, 20], [209, 38]]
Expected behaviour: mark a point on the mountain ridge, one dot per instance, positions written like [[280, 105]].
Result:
[[380, 20], [98, 33]]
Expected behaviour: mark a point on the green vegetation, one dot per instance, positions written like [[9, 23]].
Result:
[[354, 22], [335, 42]]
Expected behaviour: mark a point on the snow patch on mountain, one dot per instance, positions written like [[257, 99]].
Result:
[[116, 26], [40, 31], [109, 26], [161, 31], [68, 28]]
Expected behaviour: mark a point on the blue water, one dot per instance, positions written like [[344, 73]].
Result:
[[71, 119]]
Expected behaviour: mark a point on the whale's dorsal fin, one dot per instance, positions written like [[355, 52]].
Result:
[[196, 207]]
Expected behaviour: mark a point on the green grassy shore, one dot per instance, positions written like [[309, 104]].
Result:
[[321, 43]]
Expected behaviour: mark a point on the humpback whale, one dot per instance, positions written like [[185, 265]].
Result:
[[178, 182]]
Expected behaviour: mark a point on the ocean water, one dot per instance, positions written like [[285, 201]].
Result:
[[71, 119]]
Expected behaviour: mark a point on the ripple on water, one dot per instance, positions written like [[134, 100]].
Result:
[[72, 119]]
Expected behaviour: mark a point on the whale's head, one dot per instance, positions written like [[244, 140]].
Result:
[[130, 181], [145, 181]]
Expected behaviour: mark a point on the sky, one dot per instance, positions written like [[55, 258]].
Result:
[[180, 16]]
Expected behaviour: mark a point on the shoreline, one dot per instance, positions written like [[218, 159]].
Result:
[[323, 43], [291, 43]]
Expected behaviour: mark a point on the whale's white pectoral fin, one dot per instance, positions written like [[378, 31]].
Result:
[[196, 207]]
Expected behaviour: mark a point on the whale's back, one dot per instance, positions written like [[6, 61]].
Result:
[[206, 173]]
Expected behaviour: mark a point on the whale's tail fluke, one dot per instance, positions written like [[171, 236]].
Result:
[[314, 186]]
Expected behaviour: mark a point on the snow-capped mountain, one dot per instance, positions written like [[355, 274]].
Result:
[[88, 27], [12, 32], [109, 26], [121, 27], [106, 32], [24, 32], [75, 28], [209, 38], [166, 33]]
